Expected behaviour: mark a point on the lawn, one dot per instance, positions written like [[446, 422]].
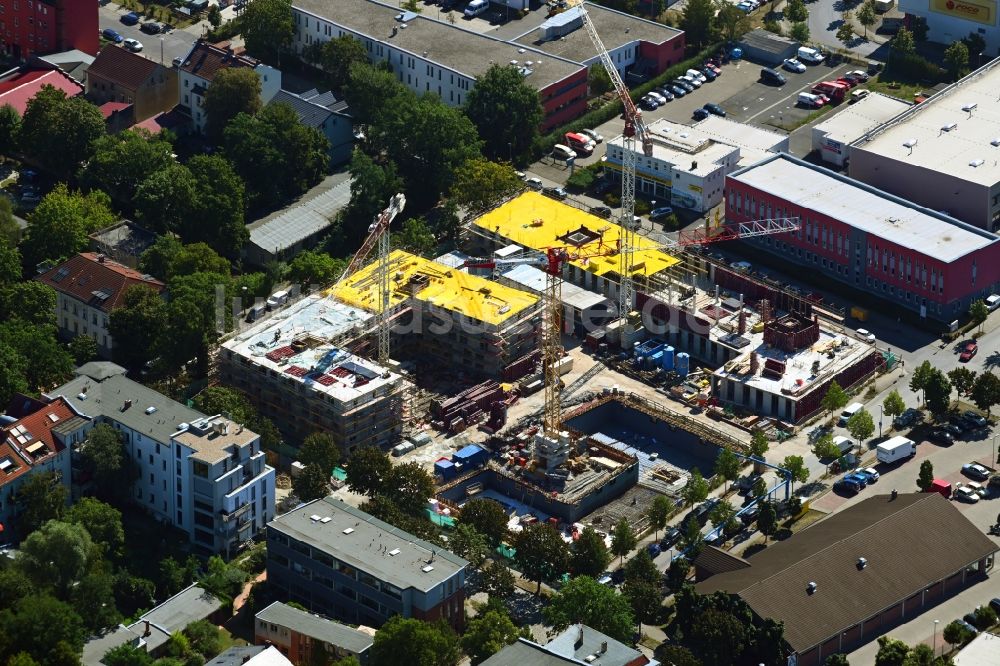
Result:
[[886, 85]]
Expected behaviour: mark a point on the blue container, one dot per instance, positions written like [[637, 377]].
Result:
[[445, 469], [667, 360], [655, 360], [683, 364]]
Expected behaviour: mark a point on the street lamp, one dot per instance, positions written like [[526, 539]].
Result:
[[935, 635], [243, 301], [880, 421]]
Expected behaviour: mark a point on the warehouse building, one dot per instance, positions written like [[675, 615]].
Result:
[[833, 137], [337, 560], [689, 165], [446, 317], [951, 20], [844, 581], [908, 256], [943, 153], [766, 48]]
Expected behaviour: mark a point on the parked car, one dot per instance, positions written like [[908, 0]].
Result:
[[976, 418], [870, 473], [858, 74], [594, 135], [708, 73], [858, 95], [30, 197], [661, 212], [995, 604], [860, 478], [866, 335], [112, 36], [555, 193], [968, 627], [678, 90], [772, 77], [666, 93], [750, 515], [670, 537], [978, 488], [133, 45], [942, 436], [700, 114], [660, 99], [793, 65], [684, 83], [131, 18], [975, 471], [951, 429], [715, 109], [970, 350], [151, 28], [966, 494], [649, 103], [847, 485], [712, 66], [534, 183], [601, 211]]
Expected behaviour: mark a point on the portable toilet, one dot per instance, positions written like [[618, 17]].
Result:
[[667, 360], [683, 364]]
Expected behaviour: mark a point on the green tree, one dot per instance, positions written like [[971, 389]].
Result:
[[986, 391], [767, 519], [659, 510], [93, 598], [731, 21], [133, 593], [486, 516], [165, 199], [103, 523], [312, 483], [121, 163], [104, 457], [83, 348], [41, 498], [60, 224], [727, 465], [696, 21], [275, 154], [10, 129], [467, 543], [979, 312], [416, 236], [489, 633], [214, 16], [64, 630], [482, 184], [204, 638], [623, 539], [677, 574], [718, 637], [692, 540], [32, 302], [10, 258], [956, 61], [861, 426], [645, 600], [893, 404], [590, 556], [369, 471], [540, 553], [760, 485], [336, 57], [800, 32], [723, 515], [641, 569], [12, 373], [268, 29], [584, 600], [46, 361], [409, 488], [676, 655], [411, 642], [370, 93], [962, 379], [59, 131], [56, 555], [920, 377], [310, 268], [835, 399], [956, 634], [136, 325], [825, 449], [696, 489], [499, 95], [320, 449], [127, 654], [220, 196], [926, 475], [938, 392], [903, 43], [598, 80], [758, 444], [224, 581], [233, 91], [498, 580], [372, 185], [839, 658], [10, 231], [796, 12], [867, 16], [796, 467]]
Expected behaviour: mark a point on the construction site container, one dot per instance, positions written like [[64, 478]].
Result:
[[655, 360], [667, 360], [682, 364], [564, 365], [403, 448], [532, 387], [445, 469], [471, 456], [421, 439]]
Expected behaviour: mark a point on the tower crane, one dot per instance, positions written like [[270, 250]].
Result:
[[378, 239], [635, 131]]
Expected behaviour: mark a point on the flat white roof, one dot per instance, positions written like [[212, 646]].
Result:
[[982, 651], [951, 152], [746, 137], [682, 149], [851, 123], [533, 279], [865, 208]]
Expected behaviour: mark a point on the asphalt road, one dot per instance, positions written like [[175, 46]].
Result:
[[175, 44], [825, 18]]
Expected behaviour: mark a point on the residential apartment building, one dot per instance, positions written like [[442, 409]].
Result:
[[204, 475], [903, 254], [432, 55], [941, 153], [29, 27], [198, 71], [88, 287], [298, 635], [35, 436], [118, 75], [337, 560]]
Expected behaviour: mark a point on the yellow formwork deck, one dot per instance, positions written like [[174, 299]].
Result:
[[448, 288], [535, 221]]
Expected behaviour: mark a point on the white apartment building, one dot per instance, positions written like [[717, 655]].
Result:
[[202, 474]]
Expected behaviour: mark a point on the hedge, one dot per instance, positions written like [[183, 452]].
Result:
[[543, 144]]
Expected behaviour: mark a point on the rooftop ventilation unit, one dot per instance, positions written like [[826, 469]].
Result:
[[349, 530], [976, 162], [811, 588], [325, 519], [949, 127], [427, 569], [970, 107], [314, 518], [394, 552], [909, 143], [862, 563], [995, 142], [150, 409]]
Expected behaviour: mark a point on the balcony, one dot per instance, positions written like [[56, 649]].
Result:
[[235, 514]]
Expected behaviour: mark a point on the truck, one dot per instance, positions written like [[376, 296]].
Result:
[[895, 449], [835, 91]]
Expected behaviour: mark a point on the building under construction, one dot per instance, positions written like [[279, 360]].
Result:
[[297, 371], [447, 318]]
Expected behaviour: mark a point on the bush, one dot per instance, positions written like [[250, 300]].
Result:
[[986, 617], [582, 179], [612, 199], [913, 67], [642, 207]]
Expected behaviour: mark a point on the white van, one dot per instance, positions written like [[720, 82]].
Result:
[[992, 302], [895, 449], [810, 100], [809, 55], [476, 7], [843, 444], [849, 411], [277, 299], [561, 152]]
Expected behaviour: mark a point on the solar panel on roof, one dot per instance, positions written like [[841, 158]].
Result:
[[60, 274]]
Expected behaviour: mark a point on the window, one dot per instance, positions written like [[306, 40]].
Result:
[[200, 469]]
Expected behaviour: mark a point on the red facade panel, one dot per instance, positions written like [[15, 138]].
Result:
[[29, 27], [564, 100], [664, 55]]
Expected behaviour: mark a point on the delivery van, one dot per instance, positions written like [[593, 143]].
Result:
[[843, 444], [810, 100], [561, 152], [579, 143], [895, 450], [849, 411]]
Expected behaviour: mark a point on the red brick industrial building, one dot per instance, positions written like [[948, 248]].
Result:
[[29, 27]]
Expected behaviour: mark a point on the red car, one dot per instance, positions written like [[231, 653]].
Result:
[[969, 351]]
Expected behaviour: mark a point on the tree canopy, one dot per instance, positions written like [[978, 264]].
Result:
[[412, 642], [60, 224], [487, 517], [488, 633], [500, 95], [590, 556], [267, 28], [59, 131], [540, 553], [584, 600]]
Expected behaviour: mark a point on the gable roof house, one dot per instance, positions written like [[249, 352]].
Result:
[[118, 75], [327, 114]]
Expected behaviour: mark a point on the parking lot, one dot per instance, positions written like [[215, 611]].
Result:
[[163, 48]]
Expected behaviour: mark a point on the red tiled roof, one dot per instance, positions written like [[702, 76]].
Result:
[[18, 91], [161, 121], [109, 108], [127, 69], [206, 59], [28, 432], [100, 284]]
